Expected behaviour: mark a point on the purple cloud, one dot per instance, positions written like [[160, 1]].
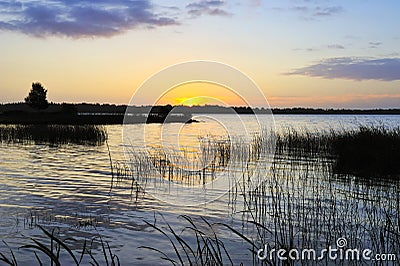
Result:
[[79, 19], [384, 69], [327, 11], [311, 10], [204, 7]]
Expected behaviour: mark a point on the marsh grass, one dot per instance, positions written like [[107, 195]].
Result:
[[203, 247], [373, 151], [300, 205], [52, 253], [312, 195], [53, 134], [306, 202], [188, 166], [366, 151]]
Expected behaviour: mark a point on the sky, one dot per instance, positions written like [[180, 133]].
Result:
[[309, 53]]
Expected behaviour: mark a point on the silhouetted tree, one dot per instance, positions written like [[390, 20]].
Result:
[[37, 97]]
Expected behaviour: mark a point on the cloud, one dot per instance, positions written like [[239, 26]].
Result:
[[79, 18], [384, 69], [336, 46], [327, 11], [374, 44], [302, 9], [310, 49], [311, 10], [315, 49], [204, 7]]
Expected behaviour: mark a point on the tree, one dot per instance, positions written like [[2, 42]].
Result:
[[37, 97]]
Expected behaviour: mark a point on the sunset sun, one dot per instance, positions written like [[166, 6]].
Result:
[[201, 93]]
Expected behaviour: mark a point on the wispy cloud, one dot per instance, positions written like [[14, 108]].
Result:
[[301, 9], [336, 46], [204, 7], [78, 19], [354, 68], [327, 11], [310, 49], [311, 10], [315, 49], [374, 44]]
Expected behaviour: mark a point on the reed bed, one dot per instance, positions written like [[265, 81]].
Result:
[[367, 151], [373, 151], [191, 167], [53, 134], [316, 192], [186, 166], [304, 205]]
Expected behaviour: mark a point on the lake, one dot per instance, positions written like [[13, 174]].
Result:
[[68, 187]]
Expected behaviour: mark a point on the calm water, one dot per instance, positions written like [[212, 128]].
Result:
[[68, 185]]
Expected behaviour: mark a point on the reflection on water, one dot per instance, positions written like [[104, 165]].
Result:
[[69, 187]]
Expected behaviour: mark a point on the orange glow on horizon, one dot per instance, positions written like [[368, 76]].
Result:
[[201, 93], [191, 101]]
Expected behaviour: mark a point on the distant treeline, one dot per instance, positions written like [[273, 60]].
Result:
[[64, 108], [89, 114], [295, 110], [87, 108], [299, 110]]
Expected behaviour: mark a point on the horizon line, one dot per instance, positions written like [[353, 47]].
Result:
[[213, 105]]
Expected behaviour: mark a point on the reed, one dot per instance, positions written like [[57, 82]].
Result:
[[51, 253], [305, 203], [301, 205], [53, 134], [308, 199], [202, 247], [364, 152]]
